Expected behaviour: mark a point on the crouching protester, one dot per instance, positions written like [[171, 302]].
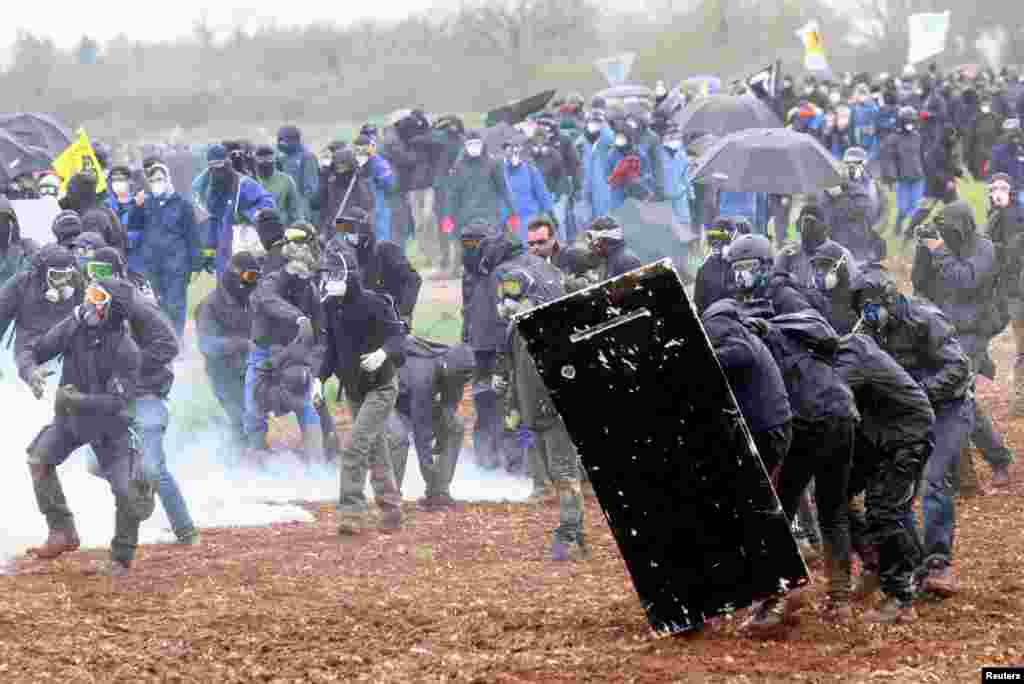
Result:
[[530, 406], [95, 405], [430, 386], [364, 350], [286, 312]]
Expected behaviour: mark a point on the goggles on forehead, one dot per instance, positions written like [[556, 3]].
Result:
[[345, 226], [60, 276], [719, 236], [48, 189], [98, 270], [511, 288], [83, 252], [472, 243], [744, 265], [297, 235], [96, 295]]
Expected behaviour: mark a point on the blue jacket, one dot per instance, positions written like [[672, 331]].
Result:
[[1008, 158], [645, 185], [676, 180], [245, 200], [383, 180], [170, 237], [530, 195], [864, 121], [594, 158], [124, 213]]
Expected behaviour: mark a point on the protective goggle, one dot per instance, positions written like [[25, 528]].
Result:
[[297, 235], [510, 288], [58, 277], [513, 150], [98, 270], [96, 296], [217, 164], [82, 253], [471, 243], [345, 226], [53, 190], [999, 186], [249, 277], [719, 236], [746, 265], [367, 150]]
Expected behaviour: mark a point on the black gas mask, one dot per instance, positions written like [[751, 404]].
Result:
[[472, 250], [240, 283], [813, 231]]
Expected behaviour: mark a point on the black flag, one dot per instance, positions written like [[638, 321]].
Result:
[[764, 82]]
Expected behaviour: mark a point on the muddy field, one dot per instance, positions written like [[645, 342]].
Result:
[[469, 596]]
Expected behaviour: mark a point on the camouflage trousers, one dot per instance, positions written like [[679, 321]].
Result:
[[368, 451], [555, 448]]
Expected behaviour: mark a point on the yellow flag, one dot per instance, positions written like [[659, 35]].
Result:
[[814, 49], [78, 157]]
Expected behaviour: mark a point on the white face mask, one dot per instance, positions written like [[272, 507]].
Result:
[[352, 239], [158, 187], [593, 127], [326, 161], [674, 144], [620, 141], [474, 148], [120, 187], [361, 159], [908, 127], [660, 91], [834, 98], [985, 109], [335, 288]]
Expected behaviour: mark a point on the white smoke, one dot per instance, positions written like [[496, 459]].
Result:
[[992, 46], [221, 490]]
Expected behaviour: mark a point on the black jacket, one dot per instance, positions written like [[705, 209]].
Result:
[[385, 268], [102, 363], [361, 323], [715, 281], [753, 374], [279, 300], [620, 260], [923, 341], [332, 190], [157, 342], [223, 326], [894, 408]]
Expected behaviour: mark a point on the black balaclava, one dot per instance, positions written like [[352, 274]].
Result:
[[813, 228], [67, 226], [270, 228], [231, 280], [81, 195], [264, 161]]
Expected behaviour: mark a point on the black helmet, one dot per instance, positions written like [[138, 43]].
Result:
[[746, 247]]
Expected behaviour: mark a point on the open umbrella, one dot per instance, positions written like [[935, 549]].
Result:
[[498, 136], [697, 84], [17, 159], [773, 160], [519, 110], [724, 114], [37, 130]]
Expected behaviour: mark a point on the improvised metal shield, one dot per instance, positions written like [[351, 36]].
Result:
[[671, 459]]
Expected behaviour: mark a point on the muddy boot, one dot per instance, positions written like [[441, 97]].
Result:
[[63, 537], [58, 542], [313, 444], [257, 450], [837, 608], [332, 447], [390, 519], [968, 475], [869, 581], [1000, 476], [892, 611]]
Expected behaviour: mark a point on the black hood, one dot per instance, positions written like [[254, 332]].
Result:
[[231, 282], [497, 249], [81, 195], [101, 220], [957, 226], [12, 234]]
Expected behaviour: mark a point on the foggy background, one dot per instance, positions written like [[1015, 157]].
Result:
[[127, 70]]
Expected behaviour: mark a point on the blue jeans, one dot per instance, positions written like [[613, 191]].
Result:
[[953, 424], [255, 421], [908, 194], [559, 212], [152, 415]]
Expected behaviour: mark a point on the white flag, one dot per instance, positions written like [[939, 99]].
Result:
[[616, 68], [927, 35]]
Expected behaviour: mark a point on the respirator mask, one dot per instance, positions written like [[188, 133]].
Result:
[[60, 285]]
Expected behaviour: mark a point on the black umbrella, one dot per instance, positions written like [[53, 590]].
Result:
[[17, 159], [773, 160], [724, 114], [498, 136], [518, 111], [37, 130]]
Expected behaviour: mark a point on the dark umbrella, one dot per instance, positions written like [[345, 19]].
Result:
[[498, 136], [37, 130], [518, 111], [17, 159], [724, 114], [773, 160]]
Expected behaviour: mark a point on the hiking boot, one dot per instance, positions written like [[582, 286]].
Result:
[[769, 619], [442, 501], [351, 524], [57, 542], [390, 520], [837, 612], [1000, 476], [891, 611], [941, 580], [192, 538], [115, 569], [867, 584], [563, 551]]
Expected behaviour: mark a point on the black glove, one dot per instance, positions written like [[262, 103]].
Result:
[[68, 400], [758, 326], [305, 334]]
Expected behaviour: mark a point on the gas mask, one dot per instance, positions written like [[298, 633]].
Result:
[[999, 194], [834, 98], [509, 307], [96, 307], [825, 273], [299, 252], [812, 231], [60, 284], [334, 284], [514, 155], [159, 186], [621, 141], [120, 187], [660, 90], [875, 315], [265, 167], [474, 148], [748, 274], [854, 170]]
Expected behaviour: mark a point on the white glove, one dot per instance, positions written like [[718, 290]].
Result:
[[371, 362], [317, 393], [498, 383]]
